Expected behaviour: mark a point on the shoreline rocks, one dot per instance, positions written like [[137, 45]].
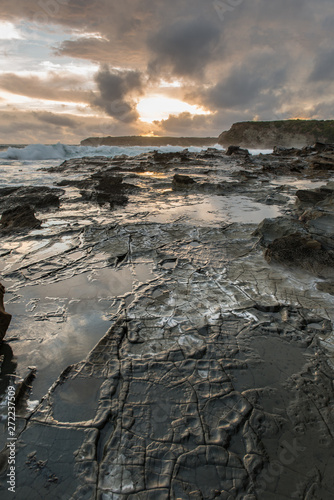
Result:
[[19, 218]]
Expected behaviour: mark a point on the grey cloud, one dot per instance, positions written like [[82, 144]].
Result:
[[254, 80], [324, 67], [187, 46], [56, 119], [115, 93]]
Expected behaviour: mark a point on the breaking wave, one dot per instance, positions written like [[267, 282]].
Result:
[[35, 152]]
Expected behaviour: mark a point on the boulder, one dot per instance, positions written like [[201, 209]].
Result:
[[236, 150], [5, 318], [303, 252], [272, 229], [19, 218], [313, 196], [182, 182]]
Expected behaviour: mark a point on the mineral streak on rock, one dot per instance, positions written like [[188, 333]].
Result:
[[215, 378], [5, 318]]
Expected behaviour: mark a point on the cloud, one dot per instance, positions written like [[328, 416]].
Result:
[[90, 48], [264, 59], [53, 87], [116, 91], [187, 46], [24, 127], [323, 70]]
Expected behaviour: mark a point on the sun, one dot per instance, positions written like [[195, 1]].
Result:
[[159, 108]]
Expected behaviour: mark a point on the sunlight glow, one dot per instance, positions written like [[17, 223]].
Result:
[[8, 31], [159, 108]]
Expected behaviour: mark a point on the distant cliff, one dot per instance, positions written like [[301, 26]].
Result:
[[286, 133], [138, 140]]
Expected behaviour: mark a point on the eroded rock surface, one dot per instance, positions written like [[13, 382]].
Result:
[[215, 378]]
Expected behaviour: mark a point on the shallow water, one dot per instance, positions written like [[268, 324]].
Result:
[[57, 324]]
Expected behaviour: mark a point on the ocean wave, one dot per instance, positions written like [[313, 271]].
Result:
[[35, 152]]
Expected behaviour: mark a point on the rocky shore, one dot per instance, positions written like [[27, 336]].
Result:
[[286, 133], [215, 376]]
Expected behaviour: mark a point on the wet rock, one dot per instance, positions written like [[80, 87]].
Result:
[[307, 253], [313, 196], [177, 157], [281, 151], [326, 286], [236, 150], [105, 187], [19, 218], [271, 229], [182, 182], [5, 318], [323, 161], [40, 197]]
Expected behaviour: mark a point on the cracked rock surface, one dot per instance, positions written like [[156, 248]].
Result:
[[215, 377]]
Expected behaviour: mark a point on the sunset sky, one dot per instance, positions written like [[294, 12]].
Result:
[[71, 69]]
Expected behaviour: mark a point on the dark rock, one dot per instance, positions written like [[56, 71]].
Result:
[[313, 196], [106, 188], [19, 218], [280, 151], [236, 150], [326, 286], [5, 318], [303, 252], [272, 229], [323, 161], [322, 147], [182, 182], [177, 157], [37, 196]]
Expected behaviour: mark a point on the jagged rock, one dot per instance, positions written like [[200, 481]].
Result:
[[271, 229], [299, 251], [182, 182], [5, 318], [313, 196], [19, 218], [236, 150], [40, 197], [323, 161], [280, 151]]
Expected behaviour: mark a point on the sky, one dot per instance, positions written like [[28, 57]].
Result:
[[71, 69]]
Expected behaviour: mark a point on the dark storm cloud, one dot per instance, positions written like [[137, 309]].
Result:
[[186, 47], [246, 82], [116, 90]]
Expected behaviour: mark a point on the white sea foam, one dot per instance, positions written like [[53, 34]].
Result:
[[37, 152]]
